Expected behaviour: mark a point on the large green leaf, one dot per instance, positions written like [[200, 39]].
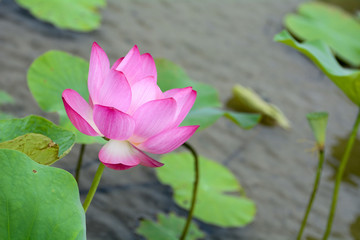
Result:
[[321, 21], [167, 228], [38, 147], [49, 75], [78, 15], [13, 128], [38, 201], [348, 80], [53, 72], [220, 197]]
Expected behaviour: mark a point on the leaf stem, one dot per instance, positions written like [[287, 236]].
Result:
[[94, 186], [78, 166], [340, 174], [313, 194], [194, 193]]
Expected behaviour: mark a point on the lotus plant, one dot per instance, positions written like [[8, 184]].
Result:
[[127, 108]]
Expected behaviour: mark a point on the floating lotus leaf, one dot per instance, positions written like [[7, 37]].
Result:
[[337, 28], [52, 138], [49, 75], [38, 201], [246, 100], [38, 147], [348, 80], [220, 199], [77, 15], [167, 228]]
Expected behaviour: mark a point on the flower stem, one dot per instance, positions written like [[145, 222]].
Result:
[[313, 194], [78, 167], [194, 193], [340, 174], [93, 187]]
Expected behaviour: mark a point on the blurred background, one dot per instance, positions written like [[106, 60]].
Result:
[[220, 43]]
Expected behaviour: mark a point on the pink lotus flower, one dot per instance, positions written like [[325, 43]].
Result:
[[128, 108]]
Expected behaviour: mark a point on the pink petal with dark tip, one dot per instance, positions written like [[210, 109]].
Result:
[[136, 66], [112, 123], [130, 65], [168, 140], [148, 66], [79, 112], [149, 162], [116, 63], [119, 166]]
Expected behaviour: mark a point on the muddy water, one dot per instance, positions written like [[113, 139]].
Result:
[[219, 43]]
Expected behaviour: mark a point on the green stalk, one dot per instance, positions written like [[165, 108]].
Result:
[[194, 193], [79, 163], [340, 174], [313, 194], [94, 186]]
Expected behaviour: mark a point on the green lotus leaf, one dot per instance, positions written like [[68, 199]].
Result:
[[220, 199], [38, 147], [12, 129], [246, 100], [49, 75], [38, 201], [337, 28], [167, 228], [348, 80], [77, 15]]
